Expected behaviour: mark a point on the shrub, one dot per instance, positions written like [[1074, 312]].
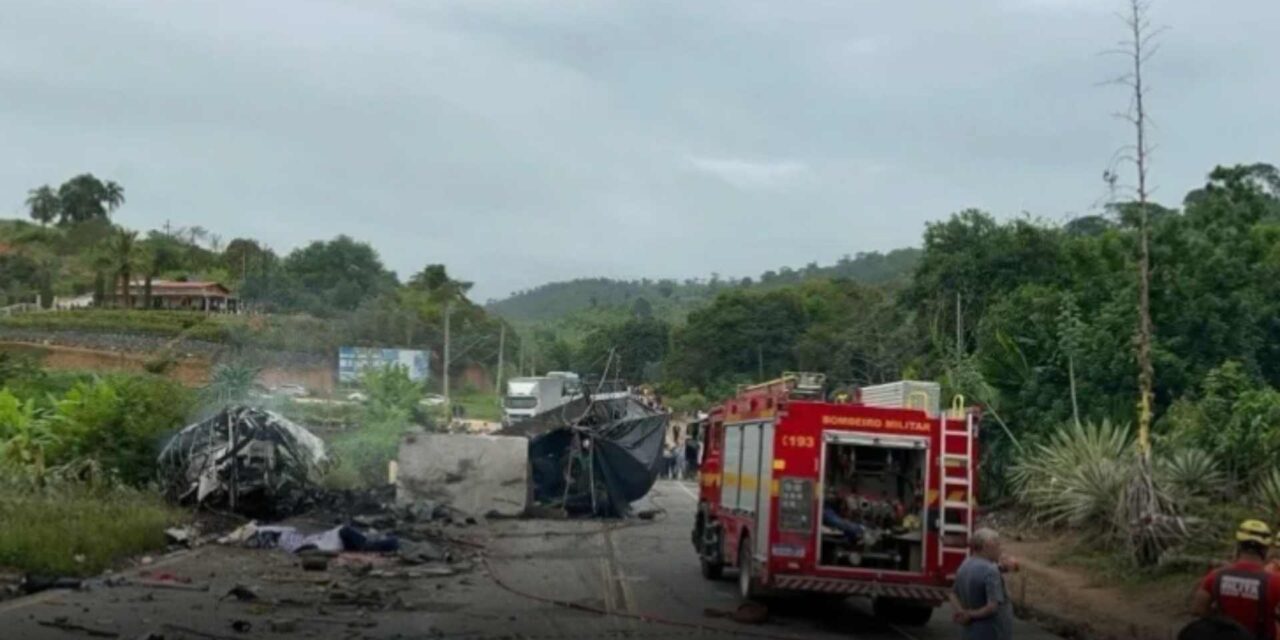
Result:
[[1078, 477], [117, 421], [1190, 474], [392, 395], [363, 454], [1267, 494], [1235, 418]]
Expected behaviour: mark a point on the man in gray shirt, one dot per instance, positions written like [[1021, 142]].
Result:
[[981, 602]]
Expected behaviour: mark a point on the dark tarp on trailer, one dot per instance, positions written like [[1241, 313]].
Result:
[[619, 439]]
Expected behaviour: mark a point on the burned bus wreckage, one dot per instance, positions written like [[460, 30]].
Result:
[[248, 460], [594, 455]]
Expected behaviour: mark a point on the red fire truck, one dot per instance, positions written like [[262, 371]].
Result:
[[869, 493]]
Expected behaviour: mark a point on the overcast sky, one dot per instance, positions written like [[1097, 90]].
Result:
[[521, 142]]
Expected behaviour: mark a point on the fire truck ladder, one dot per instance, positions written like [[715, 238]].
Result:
[[955, 456]]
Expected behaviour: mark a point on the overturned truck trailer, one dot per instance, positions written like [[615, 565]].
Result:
[[594, 456]]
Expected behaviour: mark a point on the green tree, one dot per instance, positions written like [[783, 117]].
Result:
[[229, 383], [327, 277], [159, 253], [434, 280], [392, 394], [635, 343], [741, 336], [43, 205], [126, 256], [854, 333], [85, 197], [642, 309]]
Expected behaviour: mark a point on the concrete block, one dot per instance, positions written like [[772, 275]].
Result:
[[476, 474]]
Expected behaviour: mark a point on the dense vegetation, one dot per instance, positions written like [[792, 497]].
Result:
[[1033, 319], [583, 301]]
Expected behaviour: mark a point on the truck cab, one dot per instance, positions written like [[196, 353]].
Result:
[[528, 397]]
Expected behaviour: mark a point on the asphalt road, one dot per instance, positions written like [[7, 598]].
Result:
[[535, 579]]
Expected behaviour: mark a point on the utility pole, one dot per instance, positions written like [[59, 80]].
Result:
[[502, 347], [448, 311], [959, 330], [759, 363]]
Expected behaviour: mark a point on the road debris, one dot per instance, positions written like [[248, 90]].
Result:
[[35, 583], [181, 536], [746, 613], [245, 459], [241, 593], [595, 457], [63, 623], [176, 628], [162, 584], [282, 625], [314, 562]]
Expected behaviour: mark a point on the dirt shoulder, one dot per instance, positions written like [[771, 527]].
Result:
[[1082, 603]]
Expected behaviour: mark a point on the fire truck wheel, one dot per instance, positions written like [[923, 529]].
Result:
[[904, 612], [746, 579]]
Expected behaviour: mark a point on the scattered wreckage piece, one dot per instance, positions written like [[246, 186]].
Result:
[[480, 475], [599, 461], [245, 459], [63, 623]]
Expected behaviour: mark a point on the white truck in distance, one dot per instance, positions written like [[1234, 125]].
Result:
[[527, 397]]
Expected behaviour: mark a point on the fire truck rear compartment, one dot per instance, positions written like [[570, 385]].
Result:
[[872, 504]]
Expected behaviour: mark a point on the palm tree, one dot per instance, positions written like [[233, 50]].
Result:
[[99, 261], [43, 204], [123, 249], [160, 254], [229, 383], [112, 195]]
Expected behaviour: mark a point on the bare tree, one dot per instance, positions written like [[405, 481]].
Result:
[[1149, 510]]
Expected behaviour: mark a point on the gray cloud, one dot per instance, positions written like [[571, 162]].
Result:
[[521, 142]]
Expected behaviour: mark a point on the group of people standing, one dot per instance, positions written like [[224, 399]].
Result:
[[680, 455]]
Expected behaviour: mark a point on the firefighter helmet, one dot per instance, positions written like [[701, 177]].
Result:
[[1254, 531]]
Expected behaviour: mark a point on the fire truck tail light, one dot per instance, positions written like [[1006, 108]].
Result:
[[788, 551]]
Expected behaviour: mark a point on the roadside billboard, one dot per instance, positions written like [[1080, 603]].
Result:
[[354, 360]]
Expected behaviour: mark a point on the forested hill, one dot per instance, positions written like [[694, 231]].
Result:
[[672, 299]]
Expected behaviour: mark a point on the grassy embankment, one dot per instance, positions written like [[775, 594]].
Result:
[[69, 528]]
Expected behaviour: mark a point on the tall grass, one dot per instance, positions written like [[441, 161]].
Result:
[[65, 525]]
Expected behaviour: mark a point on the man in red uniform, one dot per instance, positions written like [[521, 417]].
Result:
[[1244, 591]]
